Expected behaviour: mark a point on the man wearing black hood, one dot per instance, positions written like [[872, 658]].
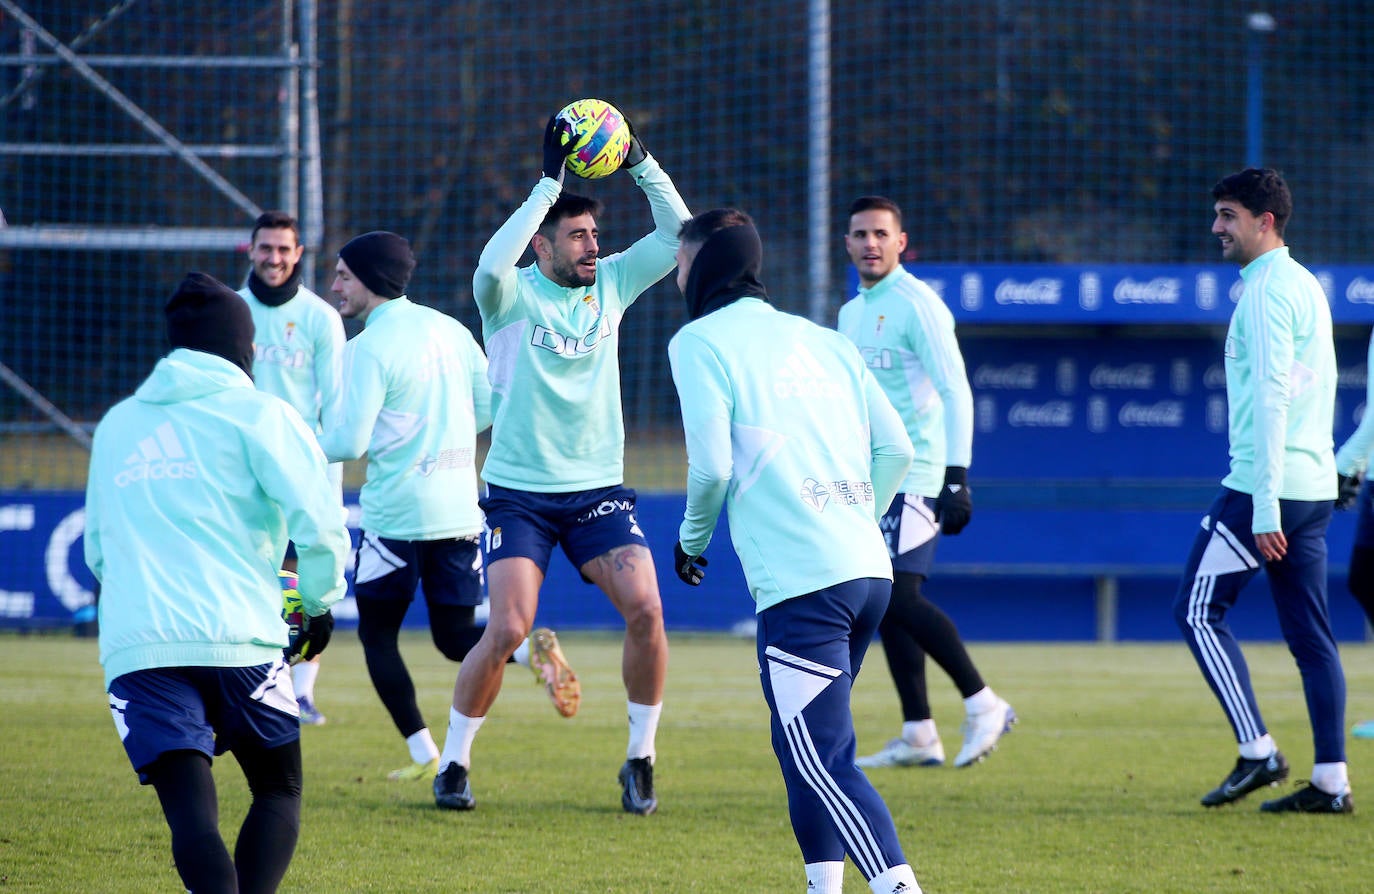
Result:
[[298, 356], [787, 427], [195, 483]]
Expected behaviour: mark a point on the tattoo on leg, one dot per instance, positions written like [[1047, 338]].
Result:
[[624, 558]]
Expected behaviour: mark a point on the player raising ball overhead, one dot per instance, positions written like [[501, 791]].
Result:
[[555, 471]]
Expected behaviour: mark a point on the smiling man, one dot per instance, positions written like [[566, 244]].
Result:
[[1276, 502], [298, 356]]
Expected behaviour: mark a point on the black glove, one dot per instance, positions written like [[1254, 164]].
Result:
[[314, 636], [555, 150], [954, 505], [689, 568], [1347, 491], [637, 151]]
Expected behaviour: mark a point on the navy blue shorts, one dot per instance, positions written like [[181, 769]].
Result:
[[586, 523], [207, 709], [450, 570], [910, 529]]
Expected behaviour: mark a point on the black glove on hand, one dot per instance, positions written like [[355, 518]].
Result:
[[555, 152], [314, 636], [1347, 491], [637, 151], [689, 568], [954, 505]]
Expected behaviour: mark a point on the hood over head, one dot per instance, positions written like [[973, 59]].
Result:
[[727, 268]]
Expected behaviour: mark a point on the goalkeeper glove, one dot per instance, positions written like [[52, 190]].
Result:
[[314, 636], [954, 505], [1347, 491], [637, 152], [689, 568], [555, 150]]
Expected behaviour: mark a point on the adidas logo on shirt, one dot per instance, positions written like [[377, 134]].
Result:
[[802, 375], [158, 457]]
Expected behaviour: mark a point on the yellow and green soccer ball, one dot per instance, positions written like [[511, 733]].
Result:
[[292, 612], [598, 136]]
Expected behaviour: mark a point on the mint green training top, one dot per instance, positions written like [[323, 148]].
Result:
[[787, 426], [195, 484], [1280, 388], [906, 336], [555, 374], [298, 353], [417, 395]]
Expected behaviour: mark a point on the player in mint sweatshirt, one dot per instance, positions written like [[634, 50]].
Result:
[[195, 484], [555, 472], [1276, 501], [788, 429]]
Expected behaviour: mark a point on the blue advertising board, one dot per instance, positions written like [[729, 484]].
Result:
[[1107, 406], [1118, 293], [1014, 574]]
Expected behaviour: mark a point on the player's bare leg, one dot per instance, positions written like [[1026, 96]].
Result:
[[627, 576], [513, 585]]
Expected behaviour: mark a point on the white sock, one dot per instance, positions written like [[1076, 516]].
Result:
[[522, 653], [422, 747], [462, 729], [1258, 749], [920, 733], [825, 878], [982, 700], [893, 880], [643, 728], [303, 678], [1333, 779]]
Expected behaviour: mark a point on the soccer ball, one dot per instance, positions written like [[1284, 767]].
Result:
[[292, 611], [598, 137]]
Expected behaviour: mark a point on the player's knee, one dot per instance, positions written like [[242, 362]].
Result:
[[502, 637], [643, 616]]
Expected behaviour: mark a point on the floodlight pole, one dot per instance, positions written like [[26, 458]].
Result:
[[1257, 26]]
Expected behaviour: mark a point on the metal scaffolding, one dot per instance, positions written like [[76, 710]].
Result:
[[297, 147]]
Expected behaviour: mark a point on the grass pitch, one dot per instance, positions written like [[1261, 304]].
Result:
[[1095, 791]]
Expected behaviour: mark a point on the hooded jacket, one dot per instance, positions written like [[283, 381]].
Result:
[[195, 483], [786, 426]]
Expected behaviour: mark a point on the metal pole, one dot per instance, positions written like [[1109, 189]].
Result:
[[312, 211], [818, 161], [289, 200], [1257, 25]]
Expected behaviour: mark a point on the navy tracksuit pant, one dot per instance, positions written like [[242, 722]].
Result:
[[1223, 559], [810, 649]]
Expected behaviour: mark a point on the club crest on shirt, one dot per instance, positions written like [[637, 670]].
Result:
[[592, 304], [290, 331], [879, 328]]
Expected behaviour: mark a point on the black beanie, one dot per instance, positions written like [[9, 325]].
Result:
[[382, 260], [206, 315]]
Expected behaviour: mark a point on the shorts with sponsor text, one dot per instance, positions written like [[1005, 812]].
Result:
[[587, 523]]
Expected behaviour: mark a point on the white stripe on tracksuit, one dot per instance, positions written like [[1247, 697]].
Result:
[[1214, 658], [860, 841]]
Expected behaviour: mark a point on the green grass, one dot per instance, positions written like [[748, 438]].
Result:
[[1096, 791]]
